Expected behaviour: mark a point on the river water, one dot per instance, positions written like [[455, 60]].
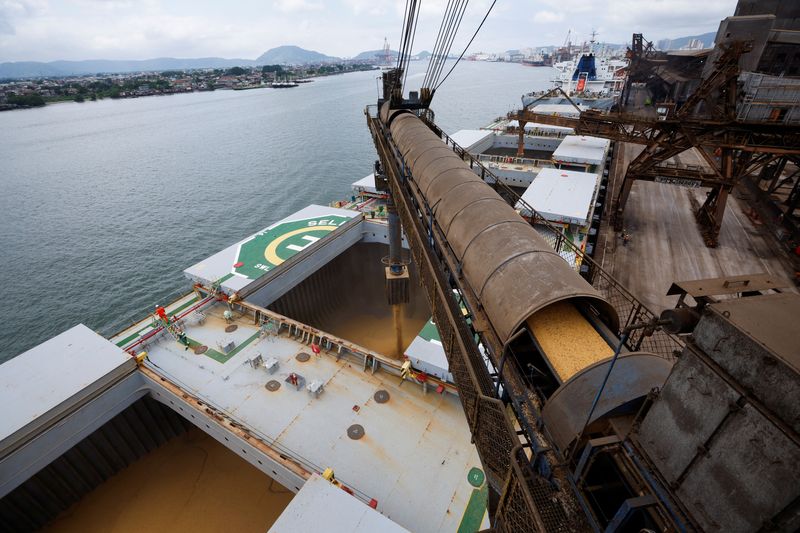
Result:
[[103, 204]]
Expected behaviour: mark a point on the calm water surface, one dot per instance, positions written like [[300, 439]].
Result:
[[103, 204]]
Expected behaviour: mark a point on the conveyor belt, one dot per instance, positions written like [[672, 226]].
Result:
[[568, 340]]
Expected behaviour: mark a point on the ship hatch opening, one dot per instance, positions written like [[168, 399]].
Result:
[[347, 298], [146, 469]]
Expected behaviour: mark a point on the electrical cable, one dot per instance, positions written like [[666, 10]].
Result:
[[468, 44]]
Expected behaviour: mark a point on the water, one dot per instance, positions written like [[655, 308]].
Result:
[[103, 204]]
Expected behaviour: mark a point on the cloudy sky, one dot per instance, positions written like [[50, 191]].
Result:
[[46, 30]]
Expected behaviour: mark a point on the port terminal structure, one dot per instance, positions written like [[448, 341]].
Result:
[[566, 404], [567, 444], [741, 117]]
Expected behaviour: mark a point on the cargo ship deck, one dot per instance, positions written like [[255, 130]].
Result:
[[310, 399], [382, 437]]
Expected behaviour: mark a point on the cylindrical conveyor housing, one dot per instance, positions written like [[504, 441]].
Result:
[[520, 280], [508, 265]]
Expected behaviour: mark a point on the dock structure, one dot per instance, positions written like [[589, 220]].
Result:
[[659, 228]]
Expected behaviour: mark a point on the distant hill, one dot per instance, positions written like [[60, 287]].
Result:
[[30, 69], [292, 55]]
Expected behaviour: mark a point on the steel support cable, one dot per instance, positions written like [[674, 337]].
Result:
[[444, 27], [468, 44], [436, 44], [411, 46], [402, 36], [412, 29], [410, 23], [407, 23], [439, 57], [407, 16], [441, 53], [447, 18], [449, 45]]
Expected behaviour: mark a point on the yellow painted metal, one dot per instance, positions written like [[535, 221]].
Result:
[[568, 340]]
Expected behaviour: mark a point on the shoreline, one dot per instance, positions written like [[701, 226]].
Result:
[[306, 80]]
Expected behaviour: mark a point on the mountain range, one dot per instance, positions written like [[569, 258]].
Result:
[[282, 55]]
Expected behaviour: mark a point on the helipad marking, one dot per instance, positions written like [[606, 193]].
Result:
[[270, 248], [270, 253]]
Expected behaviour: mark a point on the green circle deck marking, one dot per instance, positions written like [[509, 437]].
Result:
[[476, 477], [275, 245]]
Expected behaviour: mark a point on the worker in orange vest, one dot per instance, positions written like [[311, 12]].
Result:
[[162, 313]]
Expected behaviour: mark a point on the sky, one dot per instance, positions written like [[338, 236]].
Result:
[[48, 30]]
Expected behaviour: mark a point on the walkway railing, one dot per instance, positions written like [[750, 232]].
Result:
[[629, 308], [514, 160]]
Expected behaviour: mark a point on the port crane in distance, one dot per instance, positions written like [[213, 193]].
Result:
[[707, 121]]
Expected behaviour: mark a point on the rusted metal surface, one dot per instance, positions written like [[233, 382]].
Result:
[[231, 328], [727, 285], [730, 411], [740, 148], [225, 421], [634, 376], [201, 349], [757, 341], [273, 385], [510, 268], [302, 357]]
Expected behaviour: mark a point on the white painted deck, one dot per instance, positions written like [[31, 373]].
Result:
[[416, 451]]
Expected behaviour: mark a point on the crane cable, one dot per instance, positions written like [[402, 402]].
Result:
[[437, 45], [468, 44], [402, 30], [451, 21], [411, 45], [449, 46], [410, 18]]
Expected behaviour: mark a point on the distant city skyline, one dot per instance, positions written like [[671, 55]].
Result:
[[44, 30]]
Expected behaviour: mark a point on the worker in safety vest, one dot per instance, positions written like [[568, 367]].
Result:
[[162, 313]]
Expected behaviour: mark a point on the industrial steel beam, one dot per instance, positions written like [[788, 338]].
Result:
[[739, 148]]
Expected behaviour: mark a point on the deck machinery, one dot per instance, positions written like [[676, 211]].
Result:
[[567, 444]]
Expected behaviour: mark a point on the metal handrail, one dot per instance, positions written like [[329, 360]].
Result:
[[661, 343]]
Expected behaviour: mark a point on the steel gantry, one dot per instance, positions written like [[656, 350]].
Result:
[[707, 121]]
